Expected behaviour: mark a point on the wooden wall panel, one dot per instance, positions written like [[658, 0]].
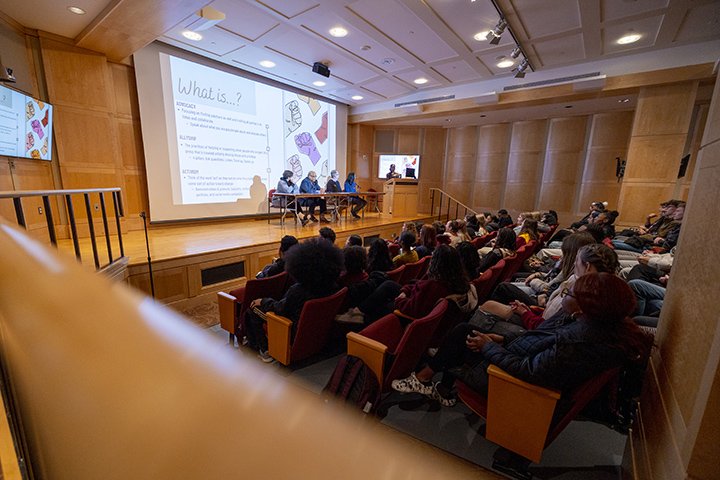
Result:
[[562, 168], [567, 134], [492, 165], [488, 195], [408, 140], [433, 155], [85, 137], [131, 146], [6, 184], [655, 158], [125, 90], [34, 175], [525, 167], [76, 77], [460, 163], [663, 110], [520, 197]]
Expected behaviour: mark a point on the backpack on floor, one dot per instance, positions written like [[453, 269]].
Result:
[[354, 382]]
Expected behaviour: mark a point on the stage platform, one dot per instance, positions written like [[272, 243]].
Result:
[[191, 262]]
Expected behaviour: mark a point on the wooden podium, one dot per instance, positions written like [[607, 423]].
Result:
[[400, 197]]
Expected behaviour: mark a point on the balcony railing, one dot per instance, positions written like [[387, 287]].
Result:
[[67, 197], [446, 207]]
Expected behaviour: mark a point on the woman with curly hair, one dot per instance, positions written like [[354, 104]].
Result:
[[379, 259], [315, 264], [599, 336], [469, 258]]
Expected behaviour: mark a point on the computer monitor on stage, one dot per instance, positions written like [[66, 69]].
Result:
[[409, 173]]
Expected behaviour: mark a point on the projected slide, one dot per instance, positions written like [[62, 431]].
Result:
[[230, 137], [25, 126]]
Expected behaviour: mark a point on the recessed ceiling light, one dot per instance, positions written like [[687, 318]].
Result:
[[357, 97], [420, 81], [338, 32], [319, 83], [629, 38], [76, 10], [481, 36], [190, 35], [505, 63], [267, 64], [624, 100], [568, 106]]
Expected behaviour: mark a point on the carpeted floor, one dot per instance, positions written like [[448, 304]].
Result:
[[205, 315]]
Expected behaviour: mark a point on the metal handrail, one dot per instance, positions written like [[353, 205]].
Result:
[[450, 199], [67, 195]]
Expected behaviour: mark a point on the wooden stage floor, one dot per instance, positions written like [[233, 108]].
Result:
[[182, 240]]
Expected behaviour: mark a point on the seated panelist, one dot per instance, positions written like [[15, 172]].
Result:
[[310, 185]]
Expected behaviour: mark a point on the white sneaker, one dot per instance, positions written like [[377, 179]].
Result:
[[444, 401], [265, 356], [411, 384]]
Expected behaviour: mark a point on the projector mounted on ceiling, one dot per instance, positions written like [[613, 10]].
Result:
[[321, 69]]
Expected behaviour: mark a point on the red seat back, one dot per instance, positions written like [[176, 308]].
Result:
[[483, 284], [413, 270], [496, 270], [405, 344], [513, 264], [315, 323], [479, 242], [394, 249], [271, 287], [395, 275], [271, 192]]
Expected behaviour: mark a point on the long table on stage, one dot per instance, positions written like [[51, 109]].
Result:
[[335, 201]]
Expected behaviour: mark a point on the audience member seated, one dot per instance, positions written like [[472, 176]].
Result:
[[407, 254], [529, 231], [595, 209], [356, 202], [600, 336], [354, 240], [310, 185], [470, 259], [278, 265], [534, 290], [650, 267], [471, 225], [355, 265], [503, 219], [445, 279], [379, 257], [548, 220], [503, 246], [286, 185], [480, 229], [660, 242], [649, 296], [328, 234], [439, 227], [426, 245], [315, 264], [457, 232], [593, 258], [652, 228]]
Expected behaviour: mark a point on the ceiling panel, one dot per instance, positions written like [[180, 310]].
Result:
[[214, 40], [458, 71], [356, 42], [289, 9], [701, 23], [387, 88], [466, 18], [53, 16], [302, 46], [560, 51], [411, 75], [244, 19], [492, 59], [617, 9], [405, 28], [647, 27], [541, 19]]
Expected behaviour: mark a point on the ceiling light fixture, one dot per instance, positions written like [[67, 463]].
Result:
[[497, 32], [267, 63], [420, 81], [506, 63], [76, 10], [481, 36], [319, 83], [357, 97], [629, 38], [190, 35], [516, 52], [519, 71], [338, 32]]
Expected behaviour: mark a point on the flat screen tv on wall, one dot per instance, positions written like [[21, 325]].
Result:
[[399, 166], [25, 126]]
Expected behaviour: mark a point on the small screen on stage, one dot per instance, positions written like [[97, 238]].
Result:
[[216, 140], [25, 126], [399, 166]]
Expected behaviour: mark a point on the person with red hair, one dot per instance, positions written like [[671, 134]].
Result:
[[596, 334]]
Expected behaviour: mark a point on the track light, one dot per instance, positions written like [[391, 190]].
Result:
[[6, 74], [497, 32], [519, 71], [516, 52]]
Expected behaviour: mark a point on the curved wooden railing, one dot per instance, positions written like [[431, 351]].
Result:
[[106, 383], [67, 197], [446, 205]]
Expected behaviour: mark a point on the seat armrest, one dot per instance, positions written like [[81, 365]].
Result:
[[369, 351], [278, 333], [518, 413], [226, 307]]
